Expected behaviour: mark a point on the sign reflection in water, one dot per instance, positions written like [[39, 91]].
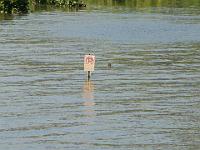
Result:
[[88, 89]]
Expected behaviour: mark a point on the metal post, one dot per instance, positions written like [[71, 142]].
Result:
[[89, 75]]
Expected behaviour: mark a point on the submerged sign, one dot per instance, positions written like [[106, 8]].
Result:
[[89, 62]]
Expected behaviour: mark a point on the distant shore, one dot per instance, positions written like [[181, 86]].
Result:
[[23, 6]]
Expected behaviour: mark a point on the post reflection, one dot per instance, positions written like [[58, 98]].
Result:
[[88, 89]]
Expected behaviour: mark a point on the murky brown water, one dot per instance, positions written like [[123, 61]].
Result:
[[149, 99]]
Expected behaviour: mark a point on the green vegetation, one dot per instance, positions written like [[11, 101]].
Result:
[[10, 6], [146, 3], [23, 6]]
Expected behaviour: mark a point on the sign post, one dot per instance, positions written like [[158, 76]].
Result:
[[89, 62]]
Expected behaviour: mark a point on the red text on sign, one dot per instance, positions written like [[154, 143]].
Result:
[[89, 60]]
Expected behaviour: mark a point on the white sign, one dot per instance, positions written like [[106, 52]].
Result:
[[89, 62]]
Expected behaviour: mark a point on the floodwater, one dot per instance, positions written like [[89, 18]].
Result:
[[148, 99]]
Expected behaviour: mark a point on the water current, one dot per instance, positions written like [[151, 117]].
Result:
[[148, 99]]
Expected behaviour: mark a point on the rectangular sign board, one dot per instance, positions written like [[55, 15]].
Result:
[[89, 62]]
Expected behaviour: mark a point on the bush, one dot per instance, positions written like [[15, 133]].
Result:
[[8, 6]]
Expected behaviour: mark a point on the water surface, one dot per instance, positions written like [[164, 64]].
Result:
[[148, 99]]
